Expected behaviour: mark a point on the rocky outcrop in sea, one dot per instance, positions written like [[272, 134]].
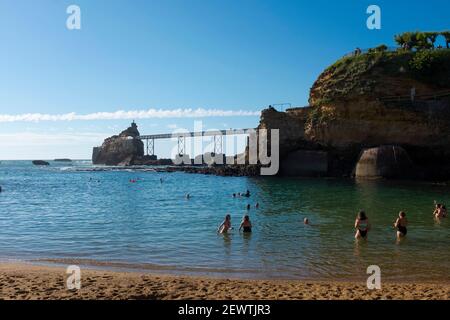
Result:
[[124, 149]]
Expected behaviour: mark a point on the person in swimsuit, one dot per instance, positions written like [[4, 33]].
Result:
[[362, 225], [246, 225], [226, 225], [440, 211], [401, 224]]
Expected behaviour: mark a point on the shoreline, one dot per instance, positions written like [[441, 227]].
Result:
[[31, 281]]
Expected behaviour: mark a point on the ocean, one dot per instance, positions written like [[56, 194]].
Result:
[[77, 213]]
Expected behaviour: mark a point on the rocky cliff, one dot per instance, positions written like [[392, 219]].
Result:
[[120, 150], [370, 100]]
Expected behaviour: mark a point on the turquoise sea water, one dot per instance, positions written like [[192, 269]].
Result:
[[70, 213]]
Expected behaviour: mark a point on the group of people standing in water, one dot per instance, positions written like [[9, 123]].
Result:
[[246, 225], [362, 224]]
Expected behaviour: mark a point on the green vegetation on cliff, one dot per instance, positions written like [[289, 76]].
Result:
[[364, 74]]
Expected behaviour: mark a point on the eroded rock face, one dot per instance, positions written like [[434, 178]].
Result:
[[365, 102], [122, 150], [384, 162]]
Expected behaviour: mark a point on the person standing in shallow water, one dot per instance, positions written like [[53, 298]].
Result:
[[246, 225], [226, 225], [401, 224], [362, 225]]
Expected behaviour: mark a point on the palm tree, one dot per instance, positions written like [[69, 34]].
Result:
[[446, 34], [432, 36]]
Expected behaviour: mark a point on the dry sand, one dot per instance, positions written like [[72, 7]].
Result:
[[24, 281]]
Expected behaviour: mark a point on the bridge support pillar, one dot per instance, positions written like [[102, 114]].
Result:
[[150, 144], [181, 145], [218, 144]]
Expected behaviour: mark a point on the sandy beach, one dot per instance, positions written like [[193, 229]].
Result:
[[25, 281]]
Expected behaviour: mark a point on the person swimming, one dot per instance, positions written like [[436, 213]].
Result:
[[246, 225], [226, 225], [247, 194], [234, 195], [440, 211], [362, 225], [257, 205], [401, 224], [188, 196], [249, 207], [306, 221]]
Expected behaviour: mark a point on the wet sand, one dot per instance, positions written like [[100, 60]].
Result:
[[25, 281]]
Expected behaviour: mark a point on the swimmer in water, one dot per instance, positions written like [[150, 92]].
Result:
[[234, 195], [257, 205], [226, 225], [440, 211], [401, 224], [188, 196], [247, 194], [362, 225], [248, 207], [306, 221], [246, 225]]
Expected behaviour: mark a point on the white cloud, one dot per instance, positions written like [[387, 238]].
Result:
[[127, 115]]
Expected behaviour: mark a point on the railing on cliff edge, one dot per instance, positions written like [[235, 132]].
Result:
[[405, 98], [388, 49]]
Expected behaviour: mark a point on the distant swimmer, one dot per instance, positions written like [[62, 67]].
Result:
[[401, 224], [246, 225], [362, 225], [257, 205], [247, 194], [226, 225], [306, 221], [188, 196], [0, 189], [440, 211], [248, 207], [234, 195]]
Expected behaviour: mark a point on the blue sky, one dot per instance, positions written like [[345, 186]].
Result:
[[173, 54]]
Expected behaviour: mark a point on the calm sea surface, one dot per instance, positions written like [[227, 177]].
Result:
[[69, 213]]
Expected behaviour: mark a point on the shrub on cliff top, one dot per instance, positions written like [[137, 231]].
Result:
[[420, 40], [432, 66]]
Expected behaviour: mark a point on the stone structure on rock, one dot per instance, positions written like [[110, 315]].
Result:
[[384, 162], [122, 150]]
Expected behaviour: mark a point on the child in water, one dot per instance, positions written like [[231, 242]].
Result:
[[401, 224], [362, 225], [246, 225], [226, 225]]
